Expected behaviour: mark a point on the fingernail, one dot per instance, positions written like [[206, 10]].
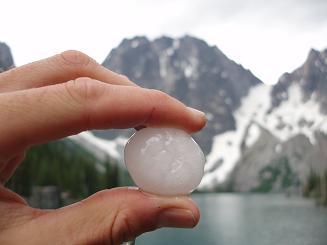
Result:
[[180, 218], [196, 112]]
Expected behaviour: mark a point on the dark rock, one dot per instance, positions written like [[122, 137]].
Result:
[[311, 77], [189, 69], [6, 60]]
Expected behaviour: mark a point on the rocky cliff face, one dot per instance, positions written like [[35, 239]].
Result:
[[274, 165], [283, 137], [258, 138], [311, 79], [6, 60], [188, 69]]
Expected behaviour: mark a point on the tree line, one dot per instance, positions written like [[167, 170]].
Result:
[[68, 166]]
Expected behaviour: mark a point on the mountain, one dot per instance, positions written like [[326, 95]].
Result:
[[310, 78], [189, 69], [258, 138], [6, 60], [280, 135], [102, 149]]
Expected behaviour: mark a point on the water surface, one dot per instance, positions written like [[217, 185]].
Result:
[[234, 219]]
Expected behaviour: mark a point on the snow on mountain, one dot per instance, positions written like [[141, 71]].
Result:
[[253, 135], [227, 146], [189, 69], [292, 117], [100, 147], [241, 111]]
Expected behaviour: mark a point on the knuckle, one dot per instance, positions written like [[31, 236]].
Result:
[[125, 79], [74, 57], [158, 96], [77, 89], [83, 90], [82, 94], [74, 62]]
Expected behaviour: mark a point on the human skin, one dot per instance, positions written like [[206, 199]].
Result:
[[64, 95]]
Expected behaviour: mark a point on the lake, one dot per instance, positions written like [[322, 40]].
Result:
[[236, 219]]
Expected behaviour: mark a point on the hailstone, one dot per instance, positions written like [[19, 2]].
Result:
[[164, 161]]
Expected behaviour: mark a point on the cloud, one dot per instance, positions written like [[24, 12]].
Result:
[[268, 37], [289, 13]]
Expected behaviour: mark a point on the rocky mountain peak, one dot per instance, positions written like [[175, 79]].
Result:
[[189, 69], [311, 77], [6, 60]]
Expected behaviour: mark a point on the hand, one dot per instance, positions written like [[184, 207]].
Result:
[[64, 95]]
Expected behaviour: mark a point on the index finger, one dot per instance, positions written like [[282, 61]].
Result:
[[61, 110]]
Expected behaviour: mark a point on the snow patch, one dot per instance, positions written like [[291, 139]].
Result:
[[101, 147], [224, 147], [135, 43], [252, 135], [188, 71], [176, 44], [163, 65], [294, 116], [227, 146], [290, 118], [191, 67], [170, 51]]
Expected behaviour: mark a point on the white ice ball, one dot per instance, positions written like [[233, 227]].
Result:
[[164, 161]]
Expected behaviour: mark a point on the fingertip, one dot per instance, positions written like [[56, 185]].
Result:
[[182, 211], [196, 112], [199, 119], [154, 205], [195, 211]]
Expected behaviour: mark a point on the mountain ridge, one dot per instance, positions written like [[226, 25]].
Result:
[[311, 76], [186, 68], [298, 124], [258, 137], [278, 116]]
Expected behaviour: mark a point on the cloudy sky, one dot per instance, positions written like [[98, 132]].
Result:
[[267, 37]]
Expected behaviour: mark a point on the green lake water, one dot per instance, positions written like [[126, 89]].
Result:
[[234, 219]]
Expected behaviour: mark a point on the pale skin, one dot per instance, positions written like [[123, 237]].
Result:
[[64, 95]]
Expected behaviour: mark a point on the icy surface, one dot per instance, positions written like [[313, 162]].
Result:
[[164, 161]]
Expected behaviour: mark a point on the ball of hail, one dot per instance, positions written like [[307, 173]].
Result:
[[164, 161]]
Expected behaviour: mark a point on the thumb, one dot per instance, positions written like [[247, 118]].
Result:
[[116, 215]]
